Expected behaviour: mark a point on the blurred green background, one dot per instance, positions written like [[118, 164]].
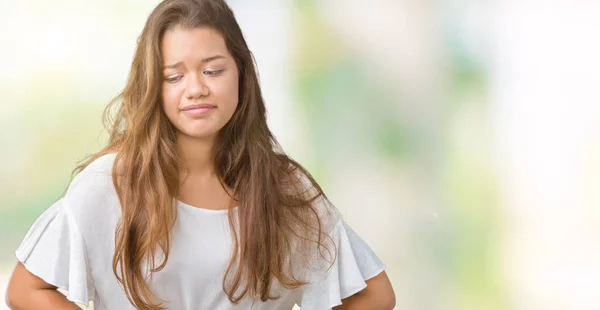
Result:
[[460, 139]]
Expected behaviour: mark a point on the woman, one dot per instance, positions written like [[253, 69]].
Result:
[[192, 204]]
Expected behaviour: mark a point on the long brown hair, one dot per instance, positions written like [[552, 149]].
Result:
[[277, 215]]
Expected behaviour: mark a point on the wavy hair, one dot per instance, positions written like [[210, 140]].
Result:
[[277, 215]]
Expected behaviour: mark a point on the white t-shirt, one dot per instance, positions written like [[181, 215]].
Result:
[[71, 246]]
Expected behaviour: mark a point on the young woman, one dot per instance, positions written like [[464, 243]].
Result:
[[192, 204]]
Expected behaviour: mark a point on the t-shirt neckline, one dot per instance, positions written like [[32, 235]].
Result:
[[203, 210]]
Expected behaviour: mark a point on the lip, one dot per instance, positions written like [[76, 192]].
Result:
[[198, 106], [198, 109]]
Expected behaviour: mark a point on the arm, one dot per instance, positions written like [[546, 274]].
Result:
[[378, 295], [27, 291]]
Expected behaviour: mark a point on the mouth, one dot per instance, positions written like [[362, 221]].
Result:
[[198, 106], [198, 109]]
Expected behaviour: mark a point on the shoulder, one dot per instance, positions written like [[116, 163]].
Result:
[[94, 176], [311, 191], [91, 191], [101, 165]]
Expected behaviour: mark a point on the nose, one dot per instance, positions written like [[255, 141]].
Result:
[[196, 87]]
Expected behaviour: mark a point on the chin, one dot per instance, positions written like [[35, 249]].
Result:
[[204, 130]]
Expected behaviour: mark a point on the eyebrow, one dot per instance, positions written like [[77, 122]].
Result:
[[205, 60]]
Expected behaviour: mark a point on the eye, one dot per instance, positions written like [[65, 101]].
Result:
[[213, 72], [173, 79]]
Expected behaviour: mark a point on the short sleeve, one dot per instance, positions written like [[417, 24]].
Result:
[[53, 249], [355, 263]]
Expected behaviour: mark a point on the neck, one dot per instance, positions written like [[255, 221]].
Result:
[[196, 155]]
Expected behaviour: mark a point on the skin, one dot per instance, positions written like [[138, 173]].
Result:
[[198, 69]]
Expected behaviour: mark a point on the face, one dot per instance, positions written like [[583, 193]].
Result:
[[200, 81]]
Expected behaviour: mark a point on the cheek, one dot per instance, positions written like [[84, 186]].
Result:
[[170, 105], [170, 99], [232, 92]]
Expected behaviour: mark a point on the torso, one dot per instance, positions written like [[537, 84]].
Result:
[[200, 249]]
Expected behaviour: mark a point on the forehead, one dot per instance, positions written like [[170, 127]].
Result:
[[188, 44]]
